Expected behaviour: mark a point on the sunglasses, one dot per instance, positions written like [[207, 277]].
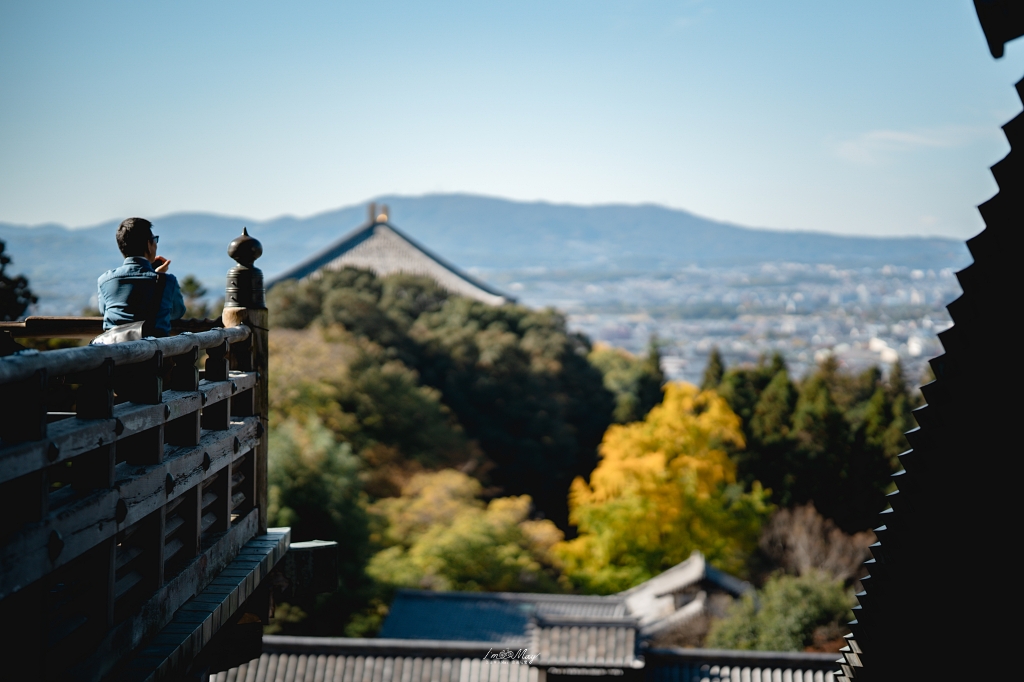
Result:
[[155, 239]]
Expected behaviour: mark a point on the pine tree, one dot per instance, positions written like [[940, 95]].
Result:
[[714, 372], [773, 413], [652, 378]]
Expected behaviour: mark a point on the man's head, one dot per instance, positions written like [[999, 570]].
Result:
[[135, 238]]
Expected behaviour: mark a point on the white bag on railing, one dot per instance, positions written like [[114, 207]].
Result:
[[132, 331]]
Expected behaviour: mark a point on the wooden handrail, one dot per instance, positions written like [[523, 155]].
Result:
[[23, 365], [57, 327]]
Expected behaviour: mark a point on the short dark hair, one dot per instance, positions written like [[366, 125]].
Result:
[[133, 236]]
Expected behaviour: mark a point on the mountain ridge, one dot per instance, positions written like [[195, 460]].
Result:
[[477, 233]]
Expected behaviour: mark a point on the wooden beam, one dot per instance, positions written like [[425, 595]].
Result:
[[84, 358]]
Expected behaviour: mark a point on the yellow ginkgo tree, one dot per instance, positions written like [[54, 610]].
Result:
[[663, 488]]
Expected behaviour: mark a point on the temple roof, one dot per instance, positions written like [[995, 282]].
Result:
[[383, 249]]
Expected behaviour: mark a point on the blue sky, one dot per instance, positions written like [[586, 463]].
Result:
[[864, 117]]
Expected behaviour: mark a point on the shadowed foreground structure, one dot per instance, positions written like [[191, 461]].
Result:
[[910, 605], [133, 488]]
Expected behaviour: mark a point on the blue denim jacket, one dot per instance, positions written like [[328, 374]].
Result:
[[126, 295]]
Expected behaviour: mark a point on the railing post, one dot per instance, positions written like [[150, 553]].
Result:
[[245, 303]]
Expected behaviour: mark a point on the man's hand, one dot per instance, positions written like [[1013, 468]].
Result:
[[160, 264]]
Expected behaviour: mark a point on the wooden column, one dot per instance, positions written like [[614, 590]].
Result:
[[245, 303]]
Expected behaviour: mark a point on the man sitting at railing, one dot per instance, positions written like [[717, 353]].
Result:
[[141, 289]]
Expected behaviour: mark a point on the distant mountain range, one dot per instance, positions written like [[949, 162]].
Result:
[[482, 234]]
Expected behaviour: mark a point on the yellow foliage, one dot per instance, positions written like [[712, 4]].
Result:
[[663, 488], [442, 537]]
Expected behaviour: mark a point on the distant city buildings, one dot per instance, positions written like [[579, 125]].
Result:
[[865, 317]]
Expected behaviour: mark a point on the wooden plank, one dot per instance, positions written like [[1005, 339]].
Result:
[[69, 438]]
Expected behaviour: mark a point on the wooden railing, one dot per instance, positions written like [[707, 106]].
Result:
[[36, 327], [130, 476]]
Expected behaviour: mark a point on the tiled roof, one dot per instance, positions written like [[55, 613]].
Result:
[[721, 665], [584, 644], [330, 659], [384, 249], [338, 659], [336, 668], [488, 616]]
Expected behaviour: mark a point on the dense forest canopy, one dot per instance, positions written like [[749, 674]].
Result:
[[448, 444], [831, 439], [517, 383]]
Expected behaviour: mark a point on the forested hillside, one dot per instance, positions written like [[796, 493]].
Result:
[[447, 444]]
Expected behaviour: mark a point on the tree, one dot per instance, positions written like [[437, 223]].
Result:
[[832, 439], [635, 382], [15, 296], [377, 406], [438, 535], [789, 613], [663, 488], [314, 488], [193, 291], [516, 380], [714, 372], [801, 541], [742, 386]]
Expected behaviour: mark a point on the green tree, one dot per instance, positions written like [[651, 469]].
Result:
[[635, 382], [516, 380], [789, 613], [295, 304], [439, 535], [15, 296], [742, 386], [521, 385], [395, 425], [193, 291], [714, 371], [314, 488], [842, 473], [832, 439]]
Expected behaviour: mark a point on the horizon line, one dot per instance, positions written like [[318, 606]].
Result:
[[546, 202]]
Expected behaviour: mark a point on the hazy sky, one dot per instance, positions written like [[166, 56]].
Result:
[[871, 117]]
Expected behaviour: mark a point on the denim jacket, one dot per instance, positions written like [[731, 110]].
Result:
[[126, 295]]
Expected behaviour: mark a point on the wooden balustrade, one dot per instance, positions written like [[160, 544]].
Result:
[[129, 478], [61, 327]]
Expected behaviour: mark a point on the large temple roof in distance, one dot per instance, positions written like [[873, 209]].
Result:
[[383, 249]]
